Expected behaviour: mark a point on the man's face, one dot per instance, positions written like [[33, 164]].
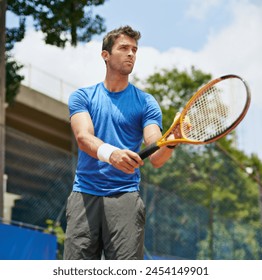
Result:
[[123, 55]]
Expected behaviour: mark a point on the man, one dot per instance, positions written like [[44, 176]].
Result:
[[110, 120]]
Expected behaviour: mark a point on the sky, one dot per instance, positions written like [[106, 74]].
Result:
[[216, 36]]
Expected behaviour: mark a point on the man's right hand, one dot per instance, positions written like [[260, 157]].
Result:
[[126, 161]]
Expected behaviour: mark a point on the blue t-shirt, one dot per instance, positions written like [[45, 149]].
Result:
[[118, 119]]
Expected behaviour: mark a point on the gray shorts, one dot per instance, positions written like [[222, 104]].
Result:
[[112, 225]]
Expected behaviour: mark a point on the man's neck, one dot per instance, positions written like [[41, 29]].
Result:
[[116, 84]]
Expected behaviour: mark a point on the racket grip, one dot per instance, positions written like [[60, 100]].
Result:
[[149, 150]]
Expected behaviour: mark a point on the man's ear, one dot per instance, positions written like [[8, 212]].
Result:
[[105, 55]]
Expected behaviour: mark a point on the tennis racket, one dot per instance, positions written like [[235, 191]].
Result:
[[211, 113]]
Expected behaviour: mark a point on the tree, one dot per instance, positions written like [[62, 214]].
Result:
[[13, 78]]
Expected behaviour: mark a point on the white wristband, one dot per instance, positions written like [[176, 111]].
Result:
[[104, 152]]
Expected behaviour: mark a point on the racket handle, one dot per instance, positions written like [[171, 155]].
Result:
[[149, 150]]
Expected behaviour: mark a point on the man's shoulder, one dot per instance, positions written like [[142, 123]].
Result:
[[139, 90], [85, 91], [90, 88]]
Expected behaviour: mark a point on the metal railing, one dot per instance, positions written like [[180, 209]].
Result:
[[46, 83]]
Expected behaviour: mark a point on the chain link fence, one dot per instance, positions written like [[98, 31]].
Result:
[[180, 229], [176, 227], [41, 175]]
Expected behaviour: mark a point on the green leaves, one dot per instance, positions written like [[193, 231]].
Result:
[[62, 21], [173, 88], [13, 79]]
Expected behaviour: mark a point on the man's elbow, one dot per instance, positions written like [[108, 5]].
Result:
[[81, 140]]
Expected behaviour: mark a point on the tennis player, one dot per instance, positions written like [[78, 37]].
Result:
[[105, 213]]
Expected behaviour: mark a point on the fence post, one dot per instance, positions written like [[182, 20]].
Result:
[[2, 103], [61, 90]]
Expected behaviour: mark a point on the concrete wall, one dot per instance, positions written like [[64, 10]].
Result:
[[42, 117]]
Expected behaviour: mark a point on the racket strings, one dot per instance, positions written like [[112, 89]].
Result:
[[209, 116]]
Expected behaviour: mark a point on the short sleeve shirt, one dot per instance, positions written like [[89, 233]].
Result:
[[119, 119]]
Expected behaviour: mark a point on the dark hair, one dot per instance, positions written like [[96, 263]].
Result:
[[111, 36]]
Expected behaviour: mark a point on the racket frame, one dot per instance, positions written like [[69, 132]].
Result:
[[164, 142]]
